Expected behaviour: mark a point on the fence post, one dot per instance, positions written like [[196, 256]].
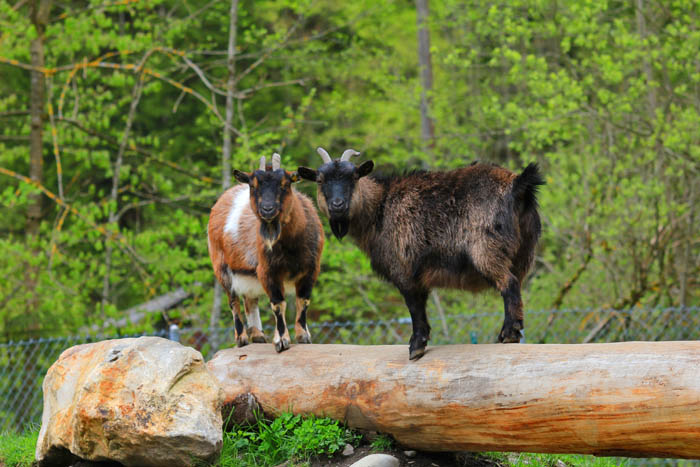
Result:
[[174, 333]]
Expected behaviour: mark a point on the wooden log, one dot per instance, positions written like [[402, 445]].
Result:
[[639, 399]]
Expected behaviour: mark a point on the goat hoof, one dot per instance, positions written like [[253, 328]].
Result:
[[416, 346], [304, 339], [256, 335], [415, 354], [242, 341], [282, 345], [510, 333]]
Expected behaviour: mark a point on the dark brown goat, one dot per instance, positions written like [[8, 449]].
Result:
[[265, 236], [469, 228]]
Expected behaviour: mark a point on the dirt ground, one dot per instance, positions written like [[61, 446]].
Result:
[[421, 459]]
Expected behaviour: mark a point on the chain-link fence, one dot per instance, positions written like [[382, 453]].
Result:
[[23, 364]]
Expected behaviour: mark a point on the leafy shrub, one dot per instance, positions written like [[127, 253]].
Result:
[[287, 437]]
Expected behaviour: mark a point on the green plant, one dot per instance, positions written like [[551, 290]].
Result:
[[382, 443], [288, 437], [522, 459], [17, 450]]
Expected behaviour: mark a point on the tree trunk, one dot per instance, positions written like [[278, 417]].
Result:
[[632, 399], [427, 125], [426, 75], [226, 154], [39, 13]]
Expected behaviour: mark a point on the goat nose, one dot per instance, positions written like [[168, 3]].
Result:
[[267, 210], [337, 204]]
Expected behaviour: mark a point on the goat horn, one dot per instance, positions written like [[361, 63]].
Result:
[[348, 154], [276, 161], [324, 155], [262, 163]]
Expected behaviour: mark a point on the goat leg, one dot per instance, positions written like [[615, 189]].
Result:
[[513, 307], [415, 301]]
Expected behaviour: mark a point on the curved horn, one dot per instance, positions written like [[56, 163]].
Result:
[[276, 161], [262, 163], [347, 154], [324, 155]]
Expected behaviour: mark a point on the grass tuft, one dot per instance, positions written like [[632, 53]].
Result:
[[17, 450], [382, 443]]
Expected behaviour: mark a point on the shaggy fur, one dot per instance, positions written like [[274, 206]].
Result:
[[470, 228]]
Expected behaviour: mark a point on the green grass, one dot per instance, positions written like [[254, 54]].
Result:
[[287, 438], [552, 460], [17, 450], [296, 439], [382, 443]]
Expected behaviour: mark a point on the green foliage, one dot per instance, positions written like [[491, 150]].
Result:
[[382, 443], [287, 438], [554, 460], [18, 450], [605, 98]]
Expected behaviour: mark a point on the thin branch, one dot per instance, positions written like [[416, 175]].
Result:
[[244, 93], [14, 113], [54, 138], [201, 75], [135, 99]]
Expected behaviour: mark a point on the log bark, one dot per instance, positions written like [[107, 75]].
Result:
[[639, 399]]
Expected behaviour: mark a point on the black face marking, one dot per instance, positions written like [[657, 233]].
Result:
[[270, 188], [337, 180]]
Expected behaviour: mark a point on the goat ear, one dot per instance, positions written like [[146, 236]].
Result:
[[241, 176], [365, 168], [307, 174]]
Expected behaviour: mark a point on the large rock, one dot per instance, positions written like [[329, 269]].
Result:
[[146, 402]]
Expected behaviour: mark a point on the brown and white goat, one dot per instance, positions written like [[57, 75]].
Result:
[[264, 236], [469, 228]]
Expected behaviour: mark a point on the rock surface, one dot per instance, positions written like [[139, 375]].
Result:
[[377, 460], [348, 450], [146, 402]]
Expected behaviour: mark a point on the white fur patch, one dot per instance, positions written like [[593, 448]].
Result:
[[253, 318], [233, 220], [248, 286]]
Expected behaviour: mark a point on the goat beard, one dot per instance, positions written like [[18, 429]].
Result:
[[270, 232], [339, 226]]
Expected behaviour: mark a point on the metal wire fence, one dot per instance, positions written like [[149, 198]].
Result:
[[24, 364]]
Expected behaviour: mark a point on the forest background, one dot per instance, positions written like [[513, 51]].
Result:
[[121, 122]]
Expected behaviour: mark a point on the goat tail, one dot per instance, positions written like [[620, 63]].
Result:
[[525, 187]]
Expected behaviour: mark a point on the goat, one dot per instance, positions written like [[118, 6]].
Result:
[[469, 228], [263, 238]]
